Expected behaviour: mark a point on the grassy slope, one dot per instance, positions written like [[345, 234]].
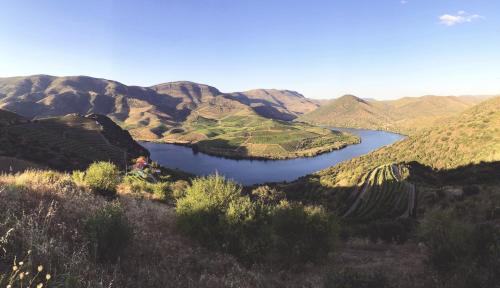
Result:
[[471, 137], [227, 128], [406, 115], [69, 142], [467, 140]]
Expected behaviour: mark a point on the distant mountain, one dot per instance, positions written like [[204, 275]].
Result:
[[405, 115], [349, 111], [147, 112], [66, 143], [277, 104]]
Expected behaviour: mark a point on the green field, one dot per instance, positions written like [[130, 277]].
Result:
[[251, 136]]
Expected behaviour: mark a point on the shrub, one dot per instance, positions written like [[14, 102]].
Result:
[[161, 191], [462, 254], [108, 232], [302, 233], [217, 214], [179, 189], [78, 177], [212, 204], [267, 195], [103, 178]]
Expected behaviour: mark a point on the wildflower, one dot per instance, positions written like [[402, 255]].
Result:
[[21, 263], [40, 268], [40, 285], [21, 275], [14, 268], [47, 277], [9, 286]]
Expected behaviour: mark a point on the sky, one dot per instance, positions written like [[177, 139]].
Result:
[[382, 49]]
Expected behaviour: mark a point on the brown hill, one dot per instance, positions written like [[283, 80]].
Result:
[[68, 142], [147, 112], [406, 115], [277, 104]]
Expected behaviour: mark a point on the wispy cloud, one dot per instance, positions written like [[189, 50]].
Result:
[[403, 2], [459, 18]]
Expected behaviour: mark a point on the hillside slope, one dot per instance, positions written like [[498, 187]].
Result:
[[462, 151], [69, 142], [147, 112], [276, 104], [406, 115]]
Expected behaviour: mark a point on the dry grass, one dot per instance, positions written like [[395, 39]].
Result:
[[47, 212]]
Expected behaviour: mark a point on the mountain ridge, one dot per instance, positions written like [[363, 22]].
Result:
[[405, 115], [142, 110]]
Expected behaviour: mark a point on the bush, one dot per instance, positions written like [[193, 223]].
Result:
[[103, 178], [179, 189], [161, 191], [108, 232], [350, 279], [78, 177], [302, 233], [217, 214], [212, 204], [462, 254]]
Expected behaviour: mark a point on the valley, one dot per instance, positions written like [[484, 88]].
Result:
[[328, 196]]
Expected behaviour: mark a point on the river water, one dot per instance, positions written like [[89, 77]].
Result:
[[250, 172]]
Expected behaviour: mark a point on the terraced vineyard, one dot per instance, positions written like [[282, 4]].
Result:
[[230, 129], [381, 193], [257, 137]]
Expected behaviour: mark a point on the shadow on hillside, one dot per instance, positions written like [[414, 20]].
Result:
[[221, 148], [472, 174], [463, 181], [69, 143]]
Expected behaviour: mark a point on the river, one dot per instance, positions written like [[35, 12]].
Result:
[[250, 172]]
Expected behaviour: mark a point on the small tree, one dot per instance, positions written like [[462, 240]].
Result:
[[103, 178]]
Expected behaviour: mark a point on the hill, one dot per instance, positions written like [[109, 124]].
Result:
[[147, 112], [406, 115], [225, 127], [276, 104], [464, 150], [65, 143]]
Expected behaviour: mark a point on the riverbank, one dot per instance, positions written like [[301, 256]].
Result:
[[258, 171], [268, 147]]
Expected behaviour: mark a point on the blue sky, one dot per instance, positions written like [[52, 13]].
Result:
[[323, 49]]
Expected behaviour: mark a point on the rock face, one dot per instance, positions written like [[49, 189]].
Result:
[[147, 112], [68, 142]]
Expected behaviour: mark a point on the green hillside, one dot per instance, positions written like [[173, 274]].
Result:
[[228, 128], [458, 149]]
